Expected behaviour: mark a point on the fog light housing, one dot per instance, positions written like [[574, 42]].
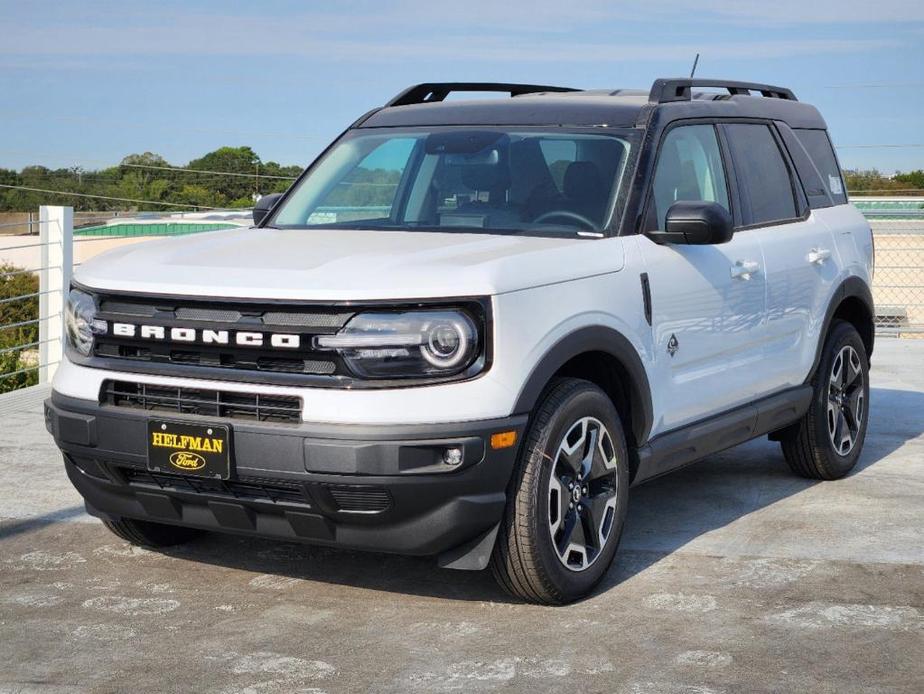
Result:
[[452, 457]]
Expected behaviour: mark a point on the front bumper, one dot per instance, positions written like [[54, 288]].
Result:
[[378, 488]]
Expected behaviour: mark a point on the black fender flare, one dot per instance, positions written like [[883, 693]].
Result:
[[852, 287], [596, 338]]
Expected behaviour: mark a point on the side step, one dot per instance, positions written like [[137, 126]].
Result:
[[674, 449]]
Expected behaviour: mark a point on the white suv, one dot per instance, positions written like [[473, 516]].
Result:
[[471, 325]]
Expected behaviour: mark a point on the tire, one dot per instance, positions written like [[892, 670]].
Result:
[[150, 535], [809, 445], [537, 557]]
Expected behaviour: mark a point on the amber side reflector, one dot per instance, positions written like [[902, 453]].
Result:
[[503, 439]]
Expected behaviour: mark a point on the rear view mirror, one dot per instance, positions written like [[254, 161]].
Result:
[[695, 222], [263, 207]]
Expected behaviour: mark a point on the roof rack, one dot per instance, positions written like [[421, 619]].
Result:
[[666, 90], [429, 92]]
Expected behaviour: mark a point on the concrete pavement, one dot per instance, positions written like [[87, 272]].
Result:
[[733, 576]]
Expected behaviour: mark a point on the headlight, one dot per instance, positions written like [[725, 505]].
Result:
[[406, 345], [81, 322]]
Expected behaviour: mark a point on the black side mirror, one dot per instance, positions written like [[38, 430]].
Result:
[[695, 222], [263, 207]]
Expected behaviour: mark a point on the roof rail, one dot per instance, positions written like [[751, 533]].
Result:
[[437, 91], [666, 90]]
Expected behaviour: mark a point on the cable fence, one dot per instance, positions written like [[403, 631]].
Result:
[[32, 297], [37, 260]]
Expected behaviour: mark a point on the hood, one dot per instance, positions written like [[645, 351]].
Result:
[[346, 265]]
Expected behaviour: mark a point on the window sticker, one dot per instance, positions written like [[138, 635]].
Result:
[[834, 183]]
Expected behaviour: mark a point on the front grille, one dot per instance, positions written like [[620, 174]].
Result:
[[246, 488], [229, 319], [205, 403], [360, 498]]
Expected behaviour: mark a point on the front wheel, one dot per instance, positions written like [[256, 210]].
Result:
[[826, 443], [568, 498]]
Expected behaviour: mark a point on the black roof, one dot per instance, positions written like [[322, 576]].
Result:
[[671, 99]]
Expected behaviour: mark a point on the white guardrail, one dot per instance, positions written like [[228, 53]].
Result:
[[41, 351]]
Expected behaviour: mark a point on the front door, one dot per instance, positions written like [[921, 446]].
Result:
[[708, 302]]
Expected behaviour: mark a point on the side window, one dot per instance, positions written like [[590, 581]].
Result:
[[763, 176], [818, 146], [689, 168]]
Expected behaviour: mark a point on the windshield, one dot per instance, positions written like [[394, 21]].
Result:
[[453, 179]]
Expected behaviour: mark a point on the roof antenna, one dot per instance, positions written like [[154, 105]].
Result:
[[695, 63]]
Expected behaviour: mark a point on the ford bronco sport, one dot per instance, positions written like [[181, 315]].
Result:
[[472, 325]]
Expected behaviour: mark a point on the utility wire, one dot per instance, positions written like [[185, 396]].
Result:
[[881, 85], [108, 197], [201, 171], [876, 146]]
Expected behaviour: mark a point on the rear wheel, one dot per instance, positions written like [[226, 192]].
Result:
[[826, 443], [151, 535], [568, 498]]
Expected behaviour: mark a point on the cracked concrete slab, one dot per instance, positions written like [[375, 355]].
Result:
[[733, 576]]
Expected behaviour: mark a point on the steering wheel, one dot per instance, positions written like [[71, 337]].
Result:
[[567, 214]]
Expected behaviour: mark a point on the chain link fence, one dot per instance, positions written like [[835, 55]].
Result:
[[898, 286]]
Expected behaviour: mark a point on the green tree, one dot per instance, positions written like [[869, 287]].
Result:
[[240, 160], [14, 283], [148, 176], [912, 179]]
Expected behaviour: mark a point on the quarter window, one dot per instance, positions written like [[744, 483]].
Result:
[[763, 177], [689, 168], [818, 146]]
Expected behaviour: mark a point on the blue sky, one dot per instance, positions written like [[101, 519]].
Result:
[[85, 83]]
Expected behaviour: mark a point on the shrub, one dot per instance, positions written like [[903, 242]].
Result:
[[12, 312]]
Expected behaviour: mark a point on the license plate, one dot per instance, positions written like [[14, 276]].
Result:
[[200, 450]]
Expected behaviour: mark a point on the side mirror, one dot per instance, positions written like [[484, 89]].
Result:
[[695, 222], [263, 207]]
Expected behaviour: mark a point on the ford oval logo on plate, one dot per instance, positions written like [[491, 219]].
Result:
[[184, 460]]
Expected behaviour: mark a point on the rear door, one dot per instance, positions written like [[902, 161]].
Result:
[[708, 302], [799, 253]]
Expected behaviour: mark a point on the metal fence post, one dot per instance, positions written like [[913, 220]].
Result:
[[56, 226]]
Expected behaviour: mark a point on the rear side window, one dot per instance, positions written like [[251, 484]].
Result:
[[763, 177], [819, 147]]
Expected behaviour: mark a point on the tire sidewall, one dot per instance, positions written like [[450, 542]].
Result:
[[842, 335], [587, 401]]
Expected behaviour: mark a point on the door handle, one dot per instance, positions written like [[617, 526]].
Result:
[[818, 256], [743, 269]]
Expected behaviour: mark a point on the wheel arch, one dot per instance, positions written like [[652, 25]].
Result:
[[606, 358], [852, 302]]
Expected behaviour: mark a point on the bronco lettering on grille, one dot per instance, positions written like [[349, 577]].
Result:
[[207, 337]]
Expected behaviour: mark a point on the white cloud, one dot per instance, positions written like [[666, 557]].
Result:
[[811, 11], [235, 36], [533, 31]]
